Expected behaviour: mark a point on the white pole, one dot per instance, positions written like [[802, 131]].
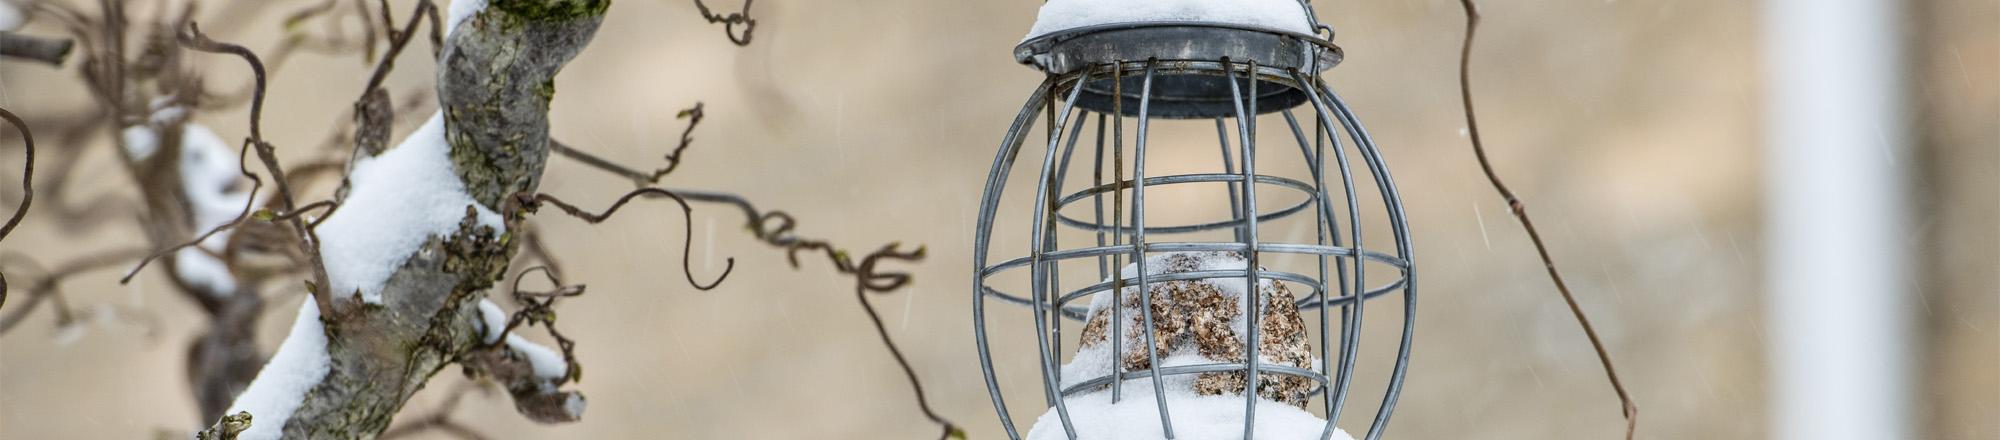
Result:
[[1836, 217]]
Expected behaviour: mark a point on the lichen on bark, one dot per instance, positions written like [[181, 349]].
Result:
[[493, 85]]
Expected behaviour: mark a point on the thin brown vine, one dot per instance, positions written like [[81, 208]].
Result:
[[1520, 210]]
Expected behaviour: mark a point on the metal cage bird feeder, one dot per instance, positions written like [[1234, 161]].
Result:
[[1139, 74]]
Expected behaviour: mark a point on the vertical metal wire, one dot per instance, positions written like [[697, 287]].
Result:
[[1328, 233], [1139, 248], [1040, 267], [996, 183], [1399, 225], [1352, 312], [1246, 127], [1118, 232], [1117, 298], [1229, 167], [1055, 277], [1097, 199]]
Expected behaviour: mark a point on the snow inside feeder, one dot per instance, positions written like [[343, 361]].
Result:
[[1201, 322], [1119, 299]]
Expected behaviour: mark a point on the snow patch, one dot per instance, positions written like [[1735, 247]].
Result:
[[169, 114], [68, 333], [11, 16], [574, 405], [548, 363], [1060, 15], [397, 202], [203, 272], [460, 11], [140, 141], [1136, 416], [300, 363], [211, 184], [493, 321], [211, 179]]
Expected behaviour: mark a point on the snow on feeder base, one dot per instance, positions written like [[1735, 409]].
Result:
[[1181, 310], [1197, 322]]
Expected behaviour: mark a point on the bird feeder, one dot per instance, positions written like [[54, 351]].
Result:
[[1159, 308]]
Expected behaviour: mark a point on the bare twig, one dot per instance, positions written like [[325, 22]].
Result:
[[328, 205], [437, 31], [693, 115], [307, 13], [538, 308], [775, 228], [49, 51], [256, 185], [1520, 209], [45, 286], [192, 38], [861, 288], [367, 28], [27, 187], [530, 202], [730, 21], [398, 39], [534, 247], [641, 178]]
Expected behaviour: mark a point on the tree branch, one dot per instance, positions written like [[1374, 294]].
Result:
[[1520, 210], [49, 51], [46, 286], [495, 80]]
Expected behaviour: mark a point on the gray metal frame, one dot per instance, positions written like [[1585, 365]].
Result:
[[1247, 81]]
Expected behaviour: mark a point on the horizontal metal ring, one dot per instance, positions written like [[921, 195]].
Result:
[[1281, 182]]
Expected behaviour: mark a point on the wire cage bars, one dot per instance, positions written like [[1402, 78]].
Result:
[[1135, 75]]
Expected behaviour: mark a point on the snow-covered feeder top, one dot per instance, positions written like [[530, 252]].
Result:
[[1062, 15], [1190, 39]]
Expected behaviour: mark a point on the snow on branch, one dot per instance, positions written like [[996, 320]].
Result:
[[419, 236], [396, 203], [299, 364]]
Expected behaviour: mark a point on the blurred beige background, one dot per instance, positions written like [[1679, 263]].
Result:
[[1630, 126]]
